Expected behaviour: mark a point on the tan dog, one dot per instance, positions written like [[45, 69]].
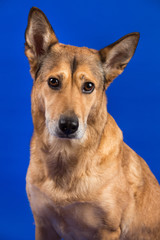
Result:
[[83, 181]]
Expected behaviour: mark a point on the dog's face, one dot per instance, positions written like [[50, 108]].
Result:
[[70, 82]]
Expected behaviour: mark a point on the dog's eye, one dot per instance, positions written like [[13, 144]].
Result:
[[88, 87], [54, 83]]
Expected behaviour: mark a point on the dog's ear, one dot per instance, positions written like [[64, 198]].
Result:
[[116, 56], [39, 36]]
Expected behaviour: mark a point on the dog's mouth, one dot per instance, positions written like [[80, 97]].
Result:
[[69, 136], [66, 136]]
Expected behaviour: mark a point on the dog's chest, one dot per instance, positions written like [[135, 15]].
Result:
[[76, 220]]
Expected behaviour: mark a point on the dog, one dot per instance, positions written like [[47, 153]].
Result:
[[83, 182]]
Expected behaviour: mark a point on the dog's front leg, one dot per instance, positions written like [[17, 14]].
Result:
[[46, 233]]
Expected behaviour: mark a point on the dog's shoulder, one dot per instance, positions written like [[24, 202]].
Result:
[[136, 169]]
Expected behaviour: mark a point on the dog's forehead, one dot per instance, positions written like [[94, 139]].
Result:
[[74, 58], [79, 52]]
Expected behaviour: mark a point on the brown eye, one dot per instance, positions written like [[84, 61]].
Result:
[[88, 87], [54, 83]]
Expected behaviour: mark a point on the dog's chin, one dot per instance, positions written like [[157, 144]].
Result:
[[62, 136]]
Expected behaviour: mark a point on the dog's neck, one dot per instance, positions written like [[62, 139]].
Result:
[[68, 161]]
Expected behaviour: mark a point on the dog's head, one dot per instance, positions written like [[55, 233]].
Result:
[[70, 82]]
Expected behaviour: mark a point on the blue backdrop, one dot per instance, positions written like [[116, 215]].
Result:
[[133, 98]]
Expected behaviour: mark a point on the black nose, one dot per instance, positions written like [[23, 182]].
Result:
[[68, 125]]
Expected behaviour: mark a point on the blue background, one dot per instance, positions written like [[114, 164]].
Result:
[[133, 98]]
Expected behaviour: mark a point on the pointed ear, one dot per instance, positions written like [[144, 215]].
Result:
[[39, 36], [116, 56]]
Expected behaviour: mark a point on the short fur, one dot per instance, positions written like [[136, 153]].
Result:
[[92, 186]]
